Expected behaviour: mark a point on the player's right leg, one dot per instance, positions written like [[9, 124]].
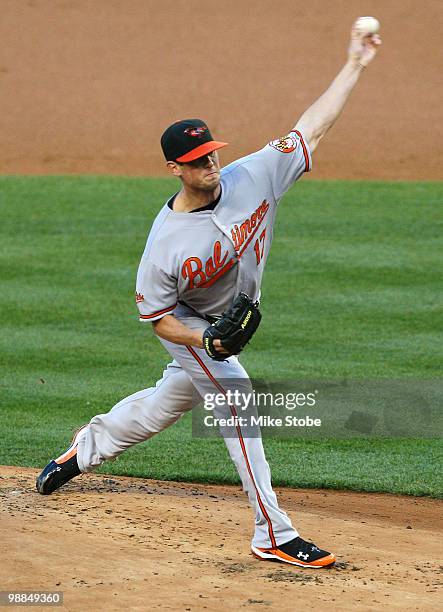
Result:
[[134, 419]]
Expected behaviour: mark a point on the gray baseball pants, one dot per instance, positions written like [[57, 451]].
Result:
[[189, 377]]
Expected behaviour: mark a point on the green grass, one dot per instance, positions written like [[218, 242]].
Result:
[[352, 289]]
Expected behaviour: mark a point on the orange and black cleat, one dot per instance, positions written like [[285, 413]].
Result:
[[296, 552], [59, 471]]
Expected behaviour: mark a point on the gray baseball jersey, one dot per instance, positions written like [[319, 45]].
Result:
[[206, 258]]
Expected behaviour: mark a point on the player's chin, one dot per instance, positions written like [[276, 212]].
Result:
[[212, 180]]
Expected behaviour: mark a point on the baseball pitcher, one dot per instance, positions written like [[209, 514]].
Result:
[[198, 286]]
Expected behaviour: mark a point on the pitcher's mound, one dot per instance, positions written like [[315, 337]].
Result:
[[113, 543]]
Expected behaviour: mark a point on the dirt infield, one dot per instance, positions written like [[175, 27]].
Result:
[[88, 86], [122, 543]]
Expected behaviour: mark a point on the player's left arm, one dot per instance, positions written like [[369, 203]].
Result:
[[321, 116]]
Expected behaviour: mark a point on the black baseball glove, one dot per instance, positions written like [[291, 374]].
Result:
[[234, 329]]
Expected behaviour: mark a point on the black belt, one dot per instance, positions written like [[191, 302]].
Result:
[[208, 318]]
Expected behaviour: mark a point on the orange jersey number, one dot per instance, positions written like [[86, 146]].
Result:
[[259, 246]]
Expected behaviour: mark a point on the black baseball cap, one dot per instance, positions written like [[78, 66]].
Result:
[[188, 139]]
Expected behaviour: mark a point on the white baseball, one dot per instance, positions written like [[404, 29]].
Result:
[[367, 25]]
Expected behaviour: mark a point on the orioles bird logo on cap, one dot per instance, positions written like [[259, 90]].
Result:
[[196, 131]]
